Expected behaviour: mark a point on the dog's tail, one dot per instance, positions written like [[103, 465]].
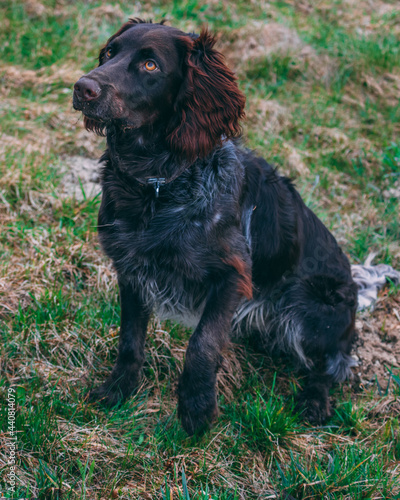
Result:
[[370, 279]]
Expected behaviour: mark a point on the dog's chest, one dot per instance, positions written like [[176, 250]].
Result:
[[171, 246], [163, 249]]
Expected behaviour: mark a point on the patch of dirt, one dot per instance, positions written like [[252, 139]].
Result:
[[29, 144], [92, 143], [61, 128], [294, 161], [109, 12], [33, 8], [365, 16], [269, 115], [265, 39], [12, 295], [378, 345], [393, 192], [330, 136], [258, 40], [81, 177], [17, 76]]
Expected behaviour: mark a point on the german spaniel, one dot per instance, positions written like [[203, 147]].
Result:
[[203, 231]]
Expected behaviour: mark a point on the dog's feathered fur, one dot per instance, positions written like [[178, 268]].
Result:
[[226, 243]]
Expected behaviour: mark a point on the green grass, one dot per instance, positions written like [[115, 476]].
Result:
[[37, 43], [266, 424], [59, 306]]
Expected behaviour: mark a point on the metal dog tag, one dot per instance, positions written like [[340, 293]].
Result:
[[156, 182]]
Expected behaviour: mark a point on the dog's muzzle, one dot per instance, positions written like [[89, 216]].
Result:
[[86, 90]]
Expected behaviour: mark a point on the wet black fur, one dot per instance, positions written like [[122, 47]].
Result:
[[228, 227]]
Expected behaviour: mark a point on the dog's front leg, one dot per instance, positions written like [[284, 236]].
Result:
[[197, 405], [125, 375]]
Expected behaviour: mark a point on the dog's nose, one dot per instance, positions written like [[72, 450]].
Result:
[[87, 89]]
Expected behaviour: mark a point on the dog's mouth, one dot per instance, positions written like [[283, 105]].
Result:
[[89, 111]]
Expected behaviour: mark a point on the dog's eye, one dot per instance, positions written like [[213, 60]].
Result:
[[109, 53], [150, 65]]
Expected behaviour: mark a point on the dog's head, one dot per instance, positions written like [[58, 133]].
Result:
[[155, 77]]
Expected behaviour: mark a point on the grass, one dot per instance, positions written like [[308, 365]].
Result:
[[324, 105]]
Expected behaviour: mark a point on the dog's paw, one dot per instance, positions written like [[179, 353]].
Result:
[[197, 411], [106, 395], [113, 391], [314, 410]]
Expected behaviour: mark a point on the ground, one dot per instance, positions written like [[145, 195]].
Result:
[[322, 81]]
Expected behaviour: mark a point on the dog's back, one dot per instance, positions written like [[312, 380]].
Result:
[[304, 299]]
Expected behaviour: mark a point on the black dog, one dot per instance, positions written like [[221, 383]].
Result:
[[202, 230]]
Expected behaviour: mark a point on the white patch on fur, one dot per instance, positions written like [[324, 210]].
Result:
[[291, 337], [217, 217], [170, 300], [278, 330], [246, 225], [339, 366], [250, 315]]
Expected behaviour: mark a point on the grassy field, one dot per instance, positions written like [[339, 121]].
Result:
[[322, 80]]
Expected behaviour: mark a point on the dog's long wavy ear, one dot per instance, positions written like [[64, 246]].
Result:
[[209, 105]]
